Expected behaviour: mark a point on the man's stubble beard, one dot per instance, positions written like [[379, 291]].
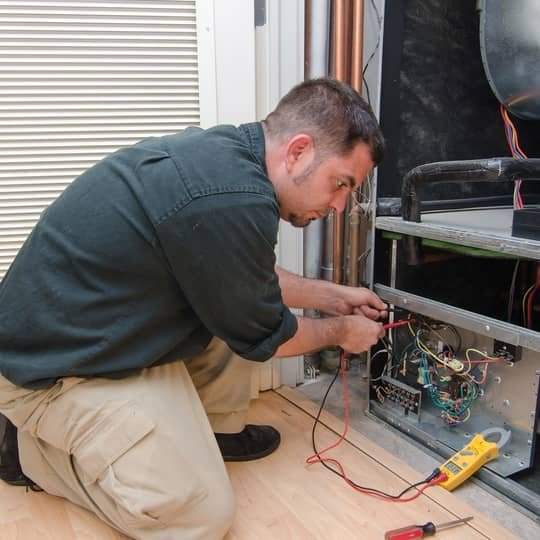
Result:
[[297, 221], [294, 219]]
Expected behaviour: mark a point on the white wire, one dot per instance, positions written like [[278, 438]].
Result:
[[385, 365]]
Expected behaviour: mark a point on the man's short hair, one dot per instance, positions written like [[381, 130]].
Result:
[[332, 113]]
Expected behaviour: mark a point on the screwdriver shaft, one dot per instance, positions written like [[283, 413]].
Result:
[[449, 524]]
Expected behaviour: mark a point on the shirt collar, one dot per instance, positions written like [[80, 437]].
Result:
[[254, 134]]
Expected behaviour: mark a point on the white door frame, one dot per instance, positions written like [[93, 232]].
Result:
[[226, 47], [243, 72], [280, 66]]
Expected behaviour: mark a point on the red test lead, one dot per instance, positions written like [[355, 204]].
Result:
[[396, 324]]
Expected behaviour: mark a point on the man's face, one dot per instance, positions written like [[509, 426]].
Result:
[[320, 188]]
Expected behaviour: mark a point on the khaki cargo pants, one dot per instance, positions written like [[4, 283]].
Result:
[[139, 452]]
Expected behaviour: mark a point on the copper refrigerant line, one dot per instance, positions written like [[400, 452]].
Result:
[[346, 66]]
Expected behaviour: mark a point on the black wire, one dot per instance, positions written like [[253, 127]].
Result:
[[379, 21], [371, 490], [389, 346], [424, 325], [366, 86], [386, 343], [458, 336]]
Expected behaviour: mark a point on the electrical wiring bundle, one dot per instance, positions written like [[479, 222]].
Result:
[[432, 359]]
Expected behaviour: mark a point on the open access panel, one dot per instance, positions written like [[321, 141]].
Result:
[[451, 372]]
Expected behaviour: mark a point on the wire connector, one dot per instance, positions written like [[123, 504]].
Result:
[[433, 475], [443, 477]]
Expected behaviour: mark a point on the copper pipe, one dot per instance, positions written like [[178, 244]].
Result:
[[356, 82], [357, 57], [339, 39], [340, 25], [347, 40], [307, 37]]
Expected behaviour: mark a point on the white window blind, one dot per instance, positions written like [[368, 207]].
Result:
[[79, 79]]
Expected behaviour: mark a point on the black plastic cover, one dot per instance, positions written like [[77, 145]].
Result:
[[526, 223]]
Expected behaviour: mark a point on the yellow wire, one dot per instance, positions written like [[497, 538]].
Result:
[[424, 347], [410, 326], [481, 353], [468, 362]]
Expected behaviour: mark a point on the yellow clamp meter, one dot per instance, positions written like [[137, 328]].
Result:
[[469, 459]]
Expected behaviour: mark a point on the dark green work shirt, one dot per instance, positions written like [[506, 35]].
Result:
[[144, 258]]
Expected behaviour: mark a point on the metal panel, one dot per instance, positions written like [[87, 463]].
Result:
[[480, 324], [487, 229], [509, 396]]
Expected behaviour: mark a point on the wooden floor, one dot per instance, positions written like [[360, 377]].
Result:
[[280, 497]]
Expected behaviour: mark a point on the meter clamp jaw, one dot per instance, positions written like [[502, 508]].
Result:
[[469, 459]]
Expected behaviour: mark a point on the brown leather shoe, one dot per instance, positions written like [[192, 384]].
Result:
[[253, 442]]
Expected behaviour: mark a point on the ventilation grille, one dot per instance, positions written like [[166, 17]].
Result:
[[78, 81]]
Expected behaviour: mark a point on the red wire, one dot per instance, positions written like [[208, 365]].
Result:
[[515, 149], [487, 361], [316, 458]]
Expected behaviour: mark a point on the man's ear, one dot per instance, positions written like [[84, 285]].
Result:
[[299, 150]]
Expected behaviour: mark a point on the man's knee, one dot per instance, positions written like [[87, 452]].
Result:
[[219, 509], [207, 518], [155, 501], [141, 496]]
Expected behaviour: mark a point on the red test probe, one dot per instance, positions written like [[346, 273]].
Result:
[[396, 324]]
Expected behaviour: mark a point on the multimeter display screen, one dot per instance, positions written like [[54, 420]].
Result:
[[452, 467]]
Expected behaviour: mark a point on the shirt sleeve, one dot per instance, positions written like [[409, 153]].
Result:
[[221, 251]]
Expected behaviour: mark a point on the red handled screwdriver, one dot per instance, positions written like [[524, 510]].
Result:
[[420, 531]]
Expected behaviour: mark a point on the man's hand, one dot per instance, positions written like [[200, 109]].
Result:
[[359, 333], [328, 297], [358, 301]]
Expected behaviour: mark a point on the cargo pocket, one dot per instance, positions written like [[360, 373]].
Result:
[[112, 437], [146, 482]]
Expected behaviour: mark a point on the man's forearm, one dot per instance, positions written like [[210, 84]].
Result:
[[313, 335], [354, 333], [300, 292]]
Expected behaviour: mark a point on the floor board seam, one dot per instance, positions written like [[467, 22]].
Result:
[[438, 503]]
